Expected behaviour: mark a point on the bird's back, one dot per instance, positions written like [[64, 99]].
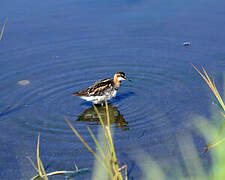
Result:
[[97, 89]]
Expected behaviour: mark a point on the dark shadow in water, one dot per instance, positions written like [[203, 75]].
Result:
[[118, 98], [89, 115]]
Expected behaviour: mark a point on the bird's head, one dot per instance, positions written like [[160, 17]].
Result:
[[118, 77]]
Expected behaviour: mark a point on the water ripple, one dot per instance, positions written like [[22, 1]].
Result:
[[45, 102]]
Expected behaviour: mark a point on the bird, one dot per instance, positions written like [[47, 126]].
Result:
[[102, 90]]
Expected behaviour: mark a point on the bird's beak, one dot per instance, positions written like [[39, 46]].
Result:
[[127, 79]]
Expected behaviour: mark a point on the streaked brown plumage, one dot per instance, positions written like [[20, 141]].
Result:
[[106, 88]]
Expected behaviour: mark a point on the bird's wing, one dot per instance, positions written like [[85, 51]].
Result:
[[97, 89], [102, 82]]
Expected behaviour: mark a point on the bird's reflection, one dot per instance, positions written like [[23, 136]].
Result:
[[90, 115]]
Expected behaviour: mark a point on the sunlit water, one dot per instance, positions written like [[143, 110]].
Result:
[[51, 49]]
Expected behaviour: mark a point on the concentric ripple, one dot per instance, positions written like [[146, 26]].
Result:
[[50, 50], [42, 105]]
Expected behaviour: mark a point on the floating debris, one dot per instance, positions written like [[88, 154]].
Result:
[[23, 82], [186, 43]]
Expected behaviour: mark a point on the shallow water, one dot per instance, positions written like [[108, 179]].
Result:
[[51, 49]]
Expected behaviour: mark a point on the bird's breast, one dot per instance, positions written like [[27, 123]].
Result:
[[114, 93]]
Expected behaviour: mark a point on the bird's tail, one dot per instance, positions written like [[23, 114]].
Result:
[[76, 94]]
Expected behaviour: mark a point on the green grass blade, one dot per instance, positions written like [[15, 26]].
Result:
[[32, 163], [3, 28], [41, 169], [99, 116], [106, 136], [212, 145], [86, 145], [68, 173], [38, 158], [97, 144], [107, 164], [111, 145], [201, 75], [107, 113], [65, 173], [102, 123], [211, 85], [81, 139]]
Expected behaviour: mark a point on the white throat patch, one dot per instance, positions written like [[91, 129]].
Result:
[[120, 79]]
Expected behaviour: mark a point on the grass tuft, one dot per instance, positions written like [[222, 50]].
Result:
[[41, 171], [212, 86], [107, 155]]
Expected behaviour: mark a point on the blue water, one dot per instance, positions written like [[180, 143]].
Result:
[[61, 47]]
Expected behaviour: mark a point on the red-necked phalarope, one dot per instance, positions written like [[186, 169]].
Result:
[[106, 88]]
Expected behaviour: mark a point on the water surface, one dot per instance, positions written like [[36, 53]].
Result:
[[60, 47]]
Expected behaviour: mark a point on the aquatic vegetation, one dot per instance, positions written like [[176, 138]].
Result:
[[107, 154], [41, 170], [107, 166], [3, 28], [212, 86], [193, 168]]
